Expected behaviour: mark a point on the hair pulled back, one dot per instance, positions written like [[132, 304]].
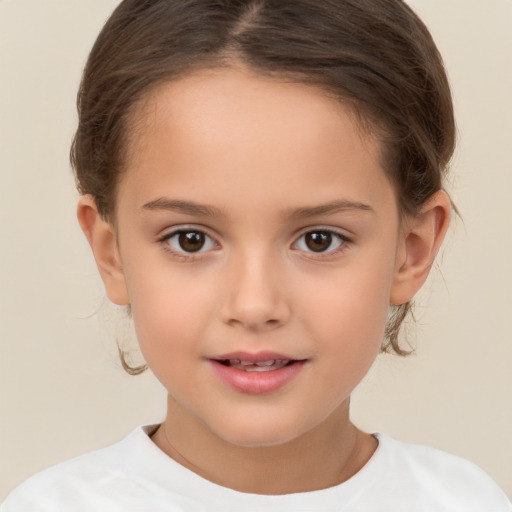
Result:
[[376, 56]]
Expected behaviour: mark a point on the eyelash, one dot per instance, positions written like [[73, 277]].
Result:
[[184, 255], [334, 235], [181, 253]]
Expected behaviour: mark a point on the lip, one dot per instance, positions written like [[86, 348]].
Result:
[[256, 383], [253, 357]]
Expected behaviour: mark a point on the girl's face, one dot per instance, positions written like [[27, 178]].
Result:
[[256, 225]]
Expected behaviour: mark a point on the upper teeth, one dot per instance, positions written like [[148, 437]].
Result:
[[271, 364], [258, 363]]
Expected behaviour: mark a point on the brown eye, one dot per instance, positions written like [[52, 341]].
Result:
[[320, 241], [189, 241]]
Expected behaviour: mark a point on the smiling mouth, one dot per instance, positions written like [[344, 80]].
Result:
[[258, 366], [256, 374]]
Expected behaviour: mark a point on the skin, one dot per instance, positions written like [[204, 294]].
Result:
[[263, 156]]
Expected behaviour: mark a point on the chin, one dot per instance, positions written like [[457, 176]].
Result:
[[259, 434], [258, 440]]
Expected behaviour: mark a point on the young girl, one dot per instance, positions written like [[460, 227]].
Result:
[[262, 186]]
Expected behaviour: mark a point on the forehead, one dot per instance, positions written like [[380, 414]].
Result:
[[229, 127]]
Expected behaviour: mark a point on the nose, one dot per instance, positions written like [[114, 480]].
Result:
[[255, 295]]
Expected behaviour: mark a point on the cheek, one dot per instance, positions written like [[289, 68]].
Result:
[[170, 310], [348, 309], [349, 329]]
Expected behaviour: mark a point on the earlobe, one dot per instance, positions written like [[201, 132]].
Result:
[[102, 239], [420, 243]]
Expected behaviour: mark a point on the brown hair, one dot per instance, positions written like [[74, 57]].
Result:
[[375, 55]]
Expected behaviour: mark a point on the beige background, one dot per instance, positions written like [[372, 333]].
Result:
[[62, 389]]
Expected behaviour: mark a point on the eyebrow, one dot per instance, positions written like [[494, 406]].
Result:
[[330, 208], [187, 207], [191, 208]]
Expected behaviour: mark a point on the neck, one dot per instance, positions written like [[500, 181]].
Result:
[[325, 456]]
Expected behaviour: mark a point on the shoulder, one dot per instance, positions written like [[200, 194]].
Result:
[[82, 483], [443, 481]]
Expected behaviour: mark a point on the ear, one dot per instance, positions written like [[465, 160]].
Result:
[[421, 238], [102, 239]]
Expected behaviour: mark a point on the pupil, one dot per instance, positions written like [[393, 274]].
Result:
[[319, 241], [191, 241]]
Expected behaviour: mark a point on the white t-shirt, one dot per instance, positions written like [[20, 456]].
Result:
[[134, 475]]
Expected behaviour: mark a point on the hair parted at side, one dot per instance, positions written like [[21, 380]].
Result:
[[376, 56]]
